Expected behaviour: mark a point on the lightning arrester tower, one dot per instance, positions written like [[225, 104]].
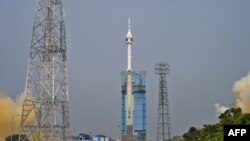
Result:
[[45, 113], [163, 122]]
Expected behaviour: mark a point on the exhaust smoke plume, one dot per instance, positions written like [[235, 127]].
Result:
[[219, 109], [9, 109], [241, 89]]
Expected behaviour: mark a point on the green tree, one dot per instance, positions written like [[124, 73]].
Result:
[[214, 132], [231, 116]]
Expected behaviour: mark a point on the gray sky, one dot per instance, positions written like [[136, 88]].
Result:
[[206, 43]]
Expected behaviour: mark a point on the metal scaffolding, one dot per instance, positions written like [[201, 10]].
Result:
[[163, 123], [45, 113]]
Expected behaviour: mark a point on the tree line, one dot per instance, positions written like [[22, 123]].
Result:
[[214, 132]]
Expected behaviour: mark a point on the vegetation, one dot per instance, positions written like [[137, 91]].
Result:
[[214, 132]]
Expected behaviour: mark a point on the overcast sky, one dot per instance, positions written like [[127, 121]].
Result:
[[206, 43]]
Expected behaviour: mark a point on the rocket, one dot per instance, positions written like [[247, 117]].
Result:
[[130, 97], [129, 40]]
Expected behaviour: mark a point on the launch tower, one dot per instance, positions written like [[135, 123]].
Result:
[[47, 83]]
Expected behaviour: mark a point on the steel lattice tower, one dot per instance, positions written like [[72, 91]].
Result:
[[47, 82], [163, 123]]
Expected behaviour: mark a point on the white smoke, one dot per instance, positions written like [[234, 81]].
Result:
[[219, 109], [241, 89]]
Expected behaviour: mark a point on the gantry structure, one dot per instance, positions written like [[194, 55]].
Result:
[[45, 113]]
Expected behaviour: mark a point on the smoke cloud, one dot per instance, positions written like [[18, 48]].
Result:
[[241, 89], [219, 109], [10, 109]]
